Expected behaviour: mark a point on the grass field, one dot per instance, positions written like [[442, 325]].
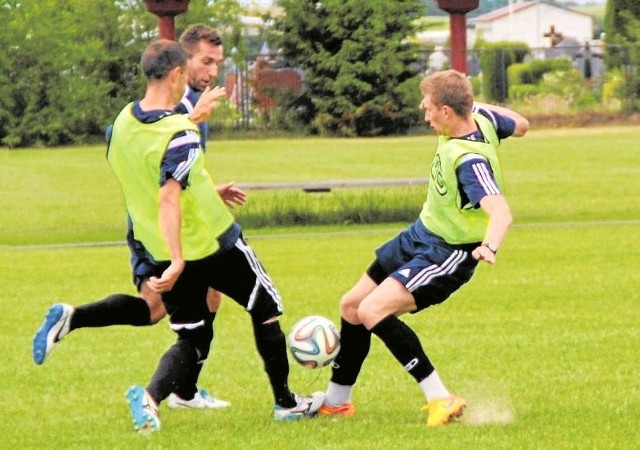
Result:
[[543, 345]]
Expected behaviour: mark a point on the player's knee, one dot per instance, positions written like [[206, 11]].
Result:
[[213, 300], [199, 338], [156, 308], [369, 313], [154, 302], [349, 307], [265, 308], [157, 313]]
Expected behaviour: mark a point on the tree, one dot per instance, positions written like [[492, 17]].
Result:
[[67, 70], [359, 69], [622, 35]]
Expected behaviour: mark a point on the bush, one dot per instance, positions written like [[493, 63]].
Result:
[[531, 72], [613, 89], [567, 84], [225, 116], [520, 92], [340, 206], [551, 80], [495, 58]]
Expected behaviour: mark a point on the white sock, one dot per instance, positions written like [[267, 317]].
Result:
[[433, 387], [337, 394]]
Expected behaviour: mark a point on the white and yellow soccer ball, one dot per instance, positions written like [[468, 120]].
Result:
[[314, 342]]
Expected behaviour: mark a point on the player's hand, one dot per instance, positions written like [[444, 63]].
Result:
[[483, 253], [168, 279], [207, 102], [232, 195]]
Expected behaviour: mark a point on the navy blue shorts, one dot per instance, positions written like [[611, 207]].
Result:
[[425, 264], [141, 266]]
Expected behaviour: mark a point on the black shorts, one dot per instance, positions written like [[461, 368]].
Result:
[[236, 272]]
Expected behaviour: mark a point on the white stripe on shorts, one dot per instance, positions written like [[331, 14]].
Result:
[[262, 279], [425, 276], [185, 326]]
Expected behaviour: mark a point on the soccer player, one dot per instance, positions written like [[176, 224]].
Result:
[[193, 240], [463, 221], [204, 50]]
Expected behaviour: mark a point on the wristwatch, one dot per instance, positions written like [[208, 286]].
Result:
[[491, 247]]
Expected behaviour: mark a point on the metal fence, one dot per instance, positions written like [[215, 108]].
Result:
[[253, 83]]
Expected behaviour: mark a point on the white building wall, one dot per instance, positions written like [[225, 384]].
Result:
[[530, 24]]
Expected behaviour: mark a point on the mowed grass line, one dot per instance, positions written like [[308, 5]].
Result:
[[543, 346], [70, 195]]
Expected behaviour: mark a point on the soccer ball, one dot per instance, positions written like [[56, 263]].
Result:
[[314, 342]]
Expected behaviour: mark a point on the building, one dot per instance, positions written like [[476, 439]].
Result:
[[537, 23]]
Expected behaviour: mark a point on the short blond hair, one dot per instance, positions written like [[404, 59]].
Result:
[[450, 88]]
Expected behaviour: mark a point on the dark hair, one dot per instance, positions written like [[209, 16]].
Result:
[[450, 88], [160, 57], [198, 32]]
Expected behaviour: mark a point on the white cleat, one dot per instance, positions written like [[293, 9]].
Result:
[[202, 400], [307, 406]]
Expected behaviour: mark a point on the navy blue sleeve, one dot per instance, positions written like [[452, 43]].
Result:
[[181, 109], [185, 107], [504, 126], [187, 102], [475, 180], [179, 157], [107, 133]]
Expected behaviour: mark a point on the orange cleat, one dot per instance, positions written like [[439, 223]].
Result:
[[346, 409]]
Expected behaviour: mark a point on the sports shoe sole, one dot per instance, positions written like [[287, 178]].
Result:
[[39, 349], [452, 415], [143, 421], [347, 410], [175, 402]]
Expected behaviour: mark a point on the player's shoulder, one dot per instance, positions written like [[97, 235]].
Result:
[[468, 157], [187, 102]]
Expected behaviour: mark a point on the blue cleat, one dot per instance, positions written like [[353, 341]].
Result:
[[144, 411], [53, 329], [307, 407]]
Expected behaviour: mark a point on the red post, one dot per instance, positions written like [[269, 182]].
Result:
[[166, 27], [166, 10], [458, 26]]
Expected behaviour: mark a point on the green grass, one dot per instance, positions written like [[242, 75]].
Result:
[[543, 345], [70, 195]]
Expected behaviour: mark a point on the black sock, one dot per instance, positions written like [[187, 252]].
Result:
[[116, 309], [272, 347], [404, 345], [189, 387], [172, 369], [355, 341]]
